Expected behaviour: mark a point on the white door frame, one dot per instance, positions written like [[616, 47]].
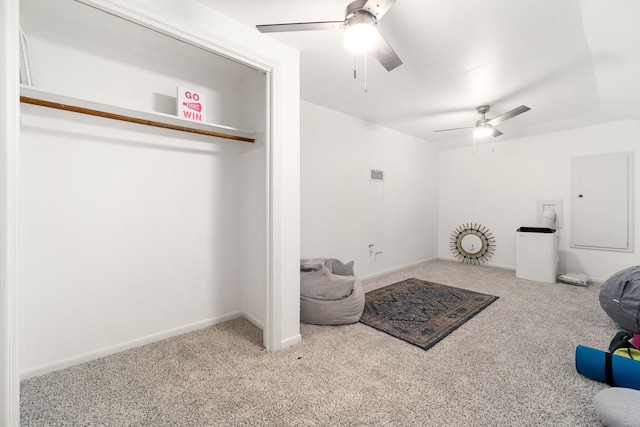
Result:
[[10, 128]]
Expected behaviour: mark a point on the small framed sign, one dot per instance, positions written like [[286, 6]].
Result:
[[191, 104]]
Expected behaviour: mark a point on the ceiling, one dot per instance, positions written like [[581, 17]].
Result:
[[574, 62]]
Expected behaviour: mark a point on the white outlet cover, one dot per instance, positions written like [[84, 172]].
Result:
[[550, 204]]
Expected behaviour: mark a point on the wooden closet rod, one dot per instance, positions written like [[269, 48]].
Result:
[[124, 118]]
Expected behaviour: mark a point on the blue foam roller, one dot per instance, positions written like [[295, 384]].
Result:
[[591, 363]]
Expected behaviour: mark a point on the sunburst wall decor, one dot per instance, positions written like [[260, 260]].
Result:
[[472, 243]]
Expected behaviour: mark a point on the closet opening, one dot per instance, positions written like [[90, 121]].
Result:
[[132, 233]]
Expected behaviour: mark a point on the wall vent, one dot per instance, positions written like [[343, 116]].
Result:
[[377, 175]]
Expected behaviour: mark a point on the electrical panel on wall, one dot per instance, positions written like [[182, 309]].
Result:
[[376, 175], [602, 202]]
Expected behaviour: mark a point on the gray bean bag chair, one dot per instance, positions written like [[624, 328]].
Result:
[[329, 292], [620, 299]]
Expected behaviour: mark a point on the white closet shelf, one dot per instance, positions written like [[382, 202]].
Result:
[[44, 98]]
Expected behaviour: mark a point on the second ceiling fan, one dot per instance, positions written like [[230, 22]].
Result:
[[486, 127], [361, 18]]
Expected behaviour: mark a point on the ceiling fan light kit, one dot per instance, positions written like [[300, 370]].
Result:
[[361, 34], [483, 131]]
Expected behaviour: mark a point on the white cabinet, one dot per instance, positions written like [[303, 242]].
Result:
[[601, 202], [537, 254]]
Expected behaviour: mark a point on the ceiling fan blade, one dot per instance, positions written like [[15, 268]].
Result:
[[301, 26], [385, 54], [509, 114], [447, 130], [496, 132], [378, 7]]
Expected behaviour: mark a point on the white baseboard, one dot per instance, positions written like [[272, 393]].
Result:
[[286, 343], [92, 355], [592, 280], [488, 264], [394, 269], [253, 320]]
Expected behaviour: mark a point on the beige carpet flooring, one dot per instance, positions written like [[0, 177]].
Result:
[[511, 365]]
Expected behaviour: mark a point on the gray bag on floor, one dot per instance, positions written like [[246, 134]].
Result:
[[620, 298]]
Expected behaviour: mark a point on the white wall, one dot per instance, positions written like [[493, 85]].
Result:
[[342, 211], [254, 200], [500, 190], [122, 236]]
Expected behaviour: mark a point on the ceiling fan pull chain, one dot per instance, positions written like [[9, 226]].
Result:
[[354, 66], [365, 72]]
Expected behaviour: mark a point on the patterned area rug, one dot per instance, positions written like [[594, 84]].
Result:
[[421, 313]]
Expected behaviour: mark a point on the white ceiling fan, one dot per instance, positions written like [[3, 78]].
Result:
[[486, 127], [361, 35]]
